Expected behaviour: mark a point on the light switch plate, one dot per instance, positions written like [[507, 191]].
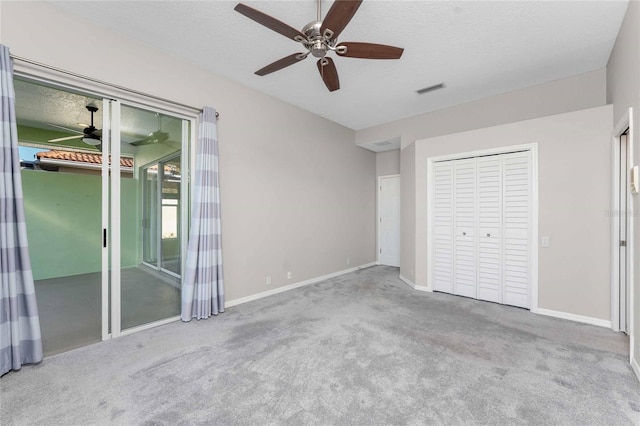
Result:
[[544, 242]]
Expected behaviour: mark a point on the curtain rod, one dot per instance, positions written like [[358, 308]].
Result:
[[115, 86]]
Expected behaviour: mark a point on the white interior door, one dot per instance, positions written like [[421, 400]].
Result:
[[465, 235], [490, 228], [389, 220], [443, 226], [517, 213]]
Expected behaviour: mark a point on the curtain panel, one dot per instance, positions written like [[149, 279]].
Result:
[[203, 288], [20, 339]]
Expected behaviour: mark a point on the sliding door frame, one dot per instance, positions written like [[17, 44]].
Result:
[[70, 81], [187, 160]]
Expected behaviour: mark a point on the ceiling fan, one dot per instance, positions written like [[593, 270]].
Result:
[[157, 136], [320, 37], [89, 135]]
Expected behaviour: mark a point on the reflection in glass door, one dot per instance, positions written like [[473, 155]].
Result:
[[161, 230], [170, 250], [150, 215]]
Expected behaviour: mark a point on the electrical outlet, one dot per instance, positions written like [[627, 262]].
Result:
[[348, 261], [289, 275], [269, 280]]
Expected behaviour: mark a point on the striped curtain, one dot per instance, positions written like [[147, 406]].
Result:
[[202, 288], [20, 340]]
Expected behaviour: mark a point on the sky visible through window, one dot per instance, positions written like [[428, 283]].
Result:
[[28, 153]]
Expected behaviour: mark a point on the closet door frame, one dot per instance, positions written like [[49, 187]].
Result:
[[533, 256]]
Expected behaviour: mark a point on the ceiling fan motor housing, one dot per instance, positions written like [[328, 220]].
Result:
[[316, 43]]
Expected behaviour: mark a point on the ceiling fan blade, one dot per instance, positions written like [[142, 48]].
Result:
[[329, 74], [281, 63], [371, 51], [143, 142], [64, 128], [67, 138], [338, 16], [269, 22]]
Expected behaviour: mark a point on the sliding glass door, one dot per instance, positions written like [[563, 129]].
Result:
[[147, 207], [105, 194]]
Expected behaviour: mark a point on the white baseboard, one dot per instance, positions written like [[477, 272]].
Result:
[[407, 281], [282, 289], [636, 368], [574, 317], [411, 284]]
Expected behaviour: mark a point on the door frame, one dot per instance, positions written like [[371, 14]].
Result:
[[533, 256], [378, 234], [187, 155], [625, 122]]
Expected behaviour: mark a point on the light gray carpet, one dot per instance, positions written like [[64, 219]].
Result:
[[359, 349]]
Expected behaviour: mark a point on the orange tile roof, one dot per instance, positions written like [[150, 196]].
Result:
[[81, 157]]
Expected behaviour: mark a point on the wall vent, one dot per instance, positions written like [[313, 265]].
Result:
[[431, 88]]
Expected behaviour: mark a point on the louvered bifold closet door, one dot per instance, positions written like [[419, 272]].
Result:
[[464, 219], [490, 228], [443, 227], [517, 213]]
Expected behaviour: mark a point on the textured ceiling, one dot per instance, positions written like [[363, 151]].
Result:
[[42, 107], [479, 48]]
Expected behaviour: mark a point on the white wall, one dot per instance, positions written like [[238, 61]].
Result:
[[388, 163], [623, 91], [574, 197], [564, 95], [297, 194]]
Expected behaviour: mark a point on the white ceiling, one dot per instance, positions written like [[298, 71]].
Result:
[[478, 48]]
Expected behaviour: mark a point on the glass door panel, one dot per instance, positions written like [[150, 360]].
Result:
[[62, 186], [150, 256]]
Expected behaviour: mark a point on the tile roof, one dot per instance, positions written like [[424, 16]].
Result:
[[81, 157]]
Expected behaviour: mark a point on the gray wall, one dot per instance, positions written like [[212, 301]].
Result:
[[574, 163], [297, 194], [568, 94], [623, 91], [408, 212], [388, 163]]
